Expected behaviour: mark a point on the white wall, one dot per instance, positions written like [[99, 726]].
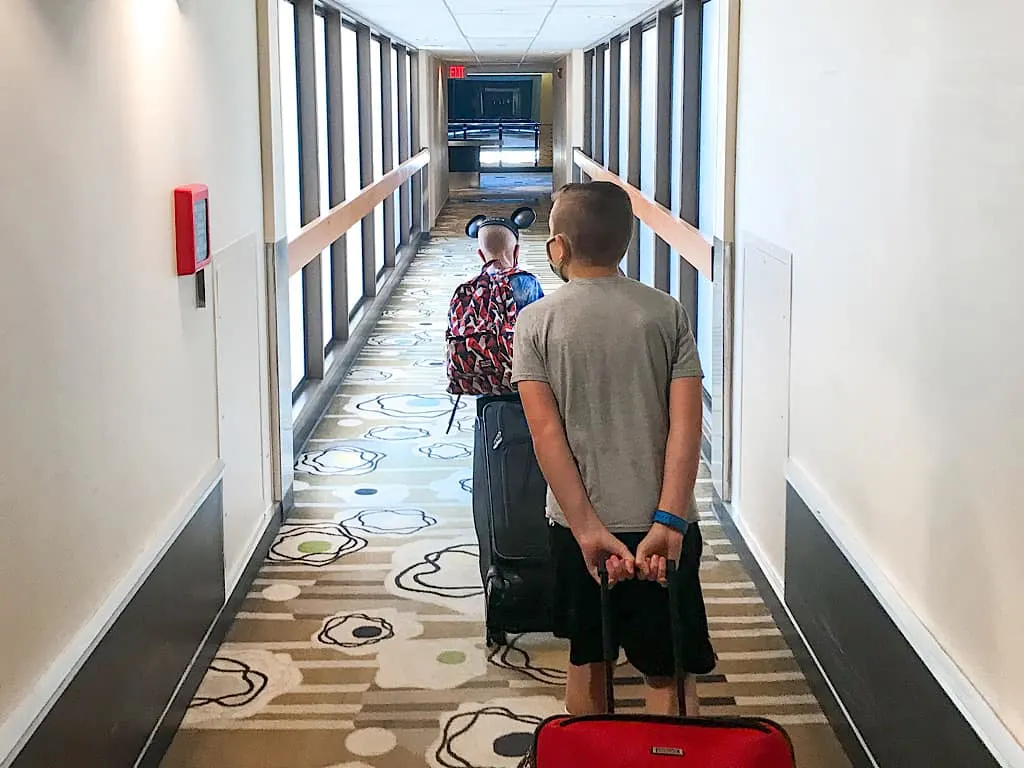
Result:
[[108, 391], [881, 144]]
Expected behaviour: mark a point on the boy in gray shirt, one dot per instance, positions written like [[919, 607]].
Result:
[[609, 377]]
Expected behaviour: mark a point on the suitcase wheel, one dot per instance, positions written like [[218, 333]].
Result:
[[493, 591], [496, 638]]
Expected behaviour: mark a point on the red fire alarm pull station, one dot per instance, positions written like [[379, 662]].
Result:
[[456, 72], [192, 228]]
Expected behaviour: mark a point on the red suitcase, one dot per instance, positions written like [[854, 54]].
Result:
[[646, 741]]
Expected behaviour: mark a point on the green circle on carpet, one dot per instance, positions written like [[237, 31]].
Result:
[[314, 547], [451, 657]]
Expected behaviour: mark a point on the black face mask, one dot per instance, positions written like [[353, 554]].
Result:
[[558, 269]]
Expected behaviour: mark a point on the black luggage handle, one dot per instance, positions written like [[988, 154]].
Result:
[[608, 640]]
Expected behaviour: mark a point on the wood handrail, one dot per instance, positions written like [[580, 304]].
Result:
[[313, 238], [686, 239]]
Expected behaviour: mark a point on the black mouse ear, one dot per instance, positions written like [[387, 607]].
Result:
[[524, 217], [473, 227]]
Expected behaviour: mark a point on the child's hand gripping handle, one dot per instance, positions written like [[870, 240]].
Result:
[[608, 638]]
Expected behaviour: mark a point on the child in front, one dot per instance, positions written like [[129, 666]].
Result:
[[610, 381]]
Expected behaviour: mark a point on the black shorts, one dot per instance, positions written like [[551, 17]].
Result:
[[640, 610]]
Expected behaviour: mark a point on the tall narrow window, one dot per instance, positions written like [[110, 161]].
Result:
[[395, 139], [413, 140], [293, 211], [624, 108], [607, 103], [677, 143], [708, 189], [326, 281], [378, 149], [353, 184], [648, 131]]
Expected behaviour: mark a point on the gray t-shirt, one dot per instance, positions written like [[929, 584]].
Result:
[[609, 348]]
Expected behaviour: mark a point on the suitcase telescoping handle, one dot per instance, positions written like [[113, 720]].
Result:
[[611, 651]]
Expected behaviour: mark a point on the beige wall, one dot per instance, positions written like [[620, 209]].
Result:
[[880, 144], [108, 391], [434, 127], [547, 96]]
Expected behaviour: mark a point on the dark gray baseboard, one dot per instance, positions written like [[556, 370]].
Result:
[[900, 709], [163, 734], [105, 716], [318, 395]]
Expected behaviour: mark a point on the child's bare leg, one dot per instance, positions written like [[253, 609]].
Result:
[[584, 690], [662, 698]]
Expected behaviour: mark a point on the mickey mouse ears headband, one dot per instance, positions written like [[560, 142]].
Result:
[[521, 218]]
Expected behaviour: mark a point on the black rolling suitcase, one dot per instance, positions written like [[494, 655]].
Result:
[[511, 527]]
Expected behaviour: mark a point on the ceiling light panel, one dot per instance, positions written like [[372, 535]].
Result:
[[487, 25], [635, 6], [492, 6], [552, 26]]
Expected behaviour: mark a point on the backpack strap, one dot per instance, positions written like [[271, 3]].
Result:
[[455, 408]]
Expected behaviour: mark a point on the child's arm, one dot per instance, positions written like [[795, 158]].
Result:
[[682, 451], [555, 457], [682, 455], [562, 475]]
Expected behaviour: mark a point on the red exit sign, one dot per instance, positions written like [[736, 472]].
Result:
[[456, 71]]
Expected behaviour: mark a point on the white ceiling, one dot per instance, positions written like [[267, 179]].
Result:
[[489, 29]]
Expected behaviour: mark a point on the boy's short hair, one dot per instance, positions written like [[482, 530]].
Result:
[[597, 218]]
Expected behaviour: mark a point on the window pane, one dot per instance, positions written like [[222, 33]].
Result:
[[624, 109], [408, 101], [607, 102], [708, 189], [290, 117], [408, 110], [648, 130], [293, 212], [396, 138], [677, 142], [350, 93], [320, 50], [376, 110], [708, 186]]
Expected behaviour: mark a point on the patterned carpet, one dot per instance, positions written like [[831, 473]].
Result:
[[361, 642]]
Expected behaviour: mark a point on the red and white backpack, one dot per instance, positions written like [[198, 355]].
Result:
[[481, 323]]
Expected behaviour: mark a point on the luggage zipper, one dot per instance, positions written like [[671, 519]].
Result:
[[499, 440]]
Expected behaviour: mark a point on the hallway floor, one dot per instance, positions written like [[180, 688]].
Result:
[[360, 644]]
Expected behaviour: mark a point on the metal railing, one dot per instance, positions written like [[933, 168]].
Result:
[[322, 232], [500, 139]]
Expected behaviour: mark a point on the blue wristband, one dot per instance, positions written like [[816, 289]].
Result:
[[674, 522]]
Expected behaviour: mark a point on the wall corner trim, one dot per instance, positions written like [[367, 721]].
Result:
[[965, 697], [37, 703]]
